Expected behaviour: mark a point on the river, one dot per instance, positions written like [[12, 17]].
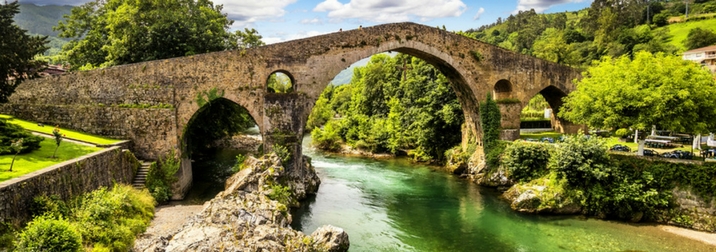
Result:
[[395, 205]]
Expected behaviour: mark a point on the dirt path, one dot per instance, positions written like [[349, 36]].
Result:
[[709, 238], [166, 219]]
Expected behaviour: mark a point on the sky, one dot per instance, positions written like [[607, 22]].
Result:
[[283, 20]]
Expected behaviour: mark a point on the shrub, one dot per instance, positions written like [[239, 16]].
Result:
[[492, 157], [282, 152], [327, 138], [281, 194], [239, 163], [48, 233], [112, 218], [161, 177], [526, 161], [581, 159], [7, 235], [11, 132], [49, 205]]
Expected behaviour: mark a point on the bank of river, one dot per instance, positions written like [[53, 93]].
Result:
[[393, 205]]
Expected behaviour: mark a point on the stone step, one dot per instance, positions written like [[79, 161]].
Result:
[[141, 177]]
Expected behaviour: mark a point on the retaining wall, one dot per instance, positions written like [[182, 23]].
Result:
[[66, 180]]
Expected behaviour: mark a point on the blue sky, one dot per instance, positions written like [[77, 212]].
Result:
[[282, 20]]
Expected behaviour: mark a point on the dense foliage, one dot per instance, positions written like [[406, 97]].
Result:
[[659, 89], [620, 187], [114, 32], [17, 52], [392, 104], [161, 177], [606, 28], [490, 118], [11, 132], [50, 233], [526, 161], [106, 219]]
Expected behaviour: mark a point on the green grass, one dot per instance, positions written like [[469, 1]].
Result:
[[40, 159], [47, 129], [679, 31]]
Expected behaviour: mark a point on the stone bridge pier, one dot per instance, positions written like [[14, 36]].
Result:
[[153, 103]]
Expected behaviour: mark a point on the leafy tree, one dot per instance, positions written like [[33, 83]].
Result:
[[698, 38], [551, 46], [653, 89], [114, 32], [17, 52], [16, 147], [58, 139], [11, 132], [248, 38], [279, 83]]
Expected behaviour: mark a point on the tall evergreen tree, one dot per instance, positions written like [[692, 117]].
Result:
[[17, 52]]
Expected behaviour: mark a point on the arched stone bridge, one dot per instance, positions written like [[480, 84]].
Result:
[[152, 103]]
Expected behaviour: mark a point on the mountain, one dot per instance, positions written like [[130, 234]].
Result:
[[345, 76], [40, 19]]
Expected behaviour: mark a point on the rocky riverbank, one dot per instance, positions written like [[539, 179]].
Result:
[[252, 215]]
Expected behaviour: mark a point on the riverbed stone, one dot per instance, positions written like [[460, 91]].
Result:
[[244, 218]]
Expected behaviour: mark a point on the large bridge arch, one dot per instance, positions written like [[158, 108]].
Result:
[[151, 103]]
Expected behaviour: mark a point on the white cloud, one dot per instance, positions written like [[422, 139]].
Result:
[[246, 12], [312, 21], [540, 5], [479, 13], [277, 38], [392, 10]]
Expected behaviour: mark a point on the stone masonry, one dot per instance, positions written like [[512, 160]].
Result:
[[151, 103]]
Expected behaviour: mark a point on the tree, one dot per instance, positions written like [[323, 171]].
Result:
[[698, 38], [551, 46], [58, 139], [114, 32], [248, 39], [653, 89], [17, 52], [16, 147]]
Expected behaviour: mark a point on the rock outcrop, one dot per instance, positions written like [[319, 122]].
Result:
[[244, 217], [540, 199]]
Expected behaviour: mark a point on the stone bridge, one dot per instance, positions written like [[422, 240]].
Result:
[[152, 103]]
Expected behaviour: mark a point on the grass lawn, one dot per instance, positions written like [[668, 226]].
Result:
[[47, 129], [40, 159], [679, 31]]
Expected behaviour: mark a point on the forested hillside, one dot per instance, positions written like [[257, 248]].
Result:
[[39, 20], [607, 28]]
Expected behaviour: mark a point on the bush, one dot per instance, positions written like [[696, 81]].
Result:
[[161, 177], [281, 194], [112, 218], [10, 132], [49, 205], [282, 152], [239, 163], [492, 157], [48, 233], [581, 159], [327, 138], [526, 161]]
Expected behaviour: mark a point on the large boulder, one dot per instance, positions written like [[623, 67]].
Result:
[[533, 198], [244, 218]]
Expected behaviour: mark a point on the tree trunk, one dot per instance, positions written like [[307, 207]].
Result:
[[13, 162], [53, 154]]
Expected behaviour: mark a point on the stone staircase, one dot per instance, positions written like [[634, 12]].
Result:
[[141, 178]]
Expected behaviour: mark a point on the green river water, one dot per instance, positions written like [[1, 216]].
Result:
[[395, 205]]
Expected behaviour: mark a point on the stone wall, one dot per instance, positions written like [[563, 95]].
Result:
[[151, 130], [66, 180], [510, 115]]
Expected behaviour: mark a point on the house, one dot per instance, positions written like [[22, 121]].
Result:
[[706, 56]]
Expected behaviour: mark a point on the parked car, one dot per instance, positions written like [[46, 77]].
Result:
[[619, 147], [679, 154], [547, 140], [650, 153]]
